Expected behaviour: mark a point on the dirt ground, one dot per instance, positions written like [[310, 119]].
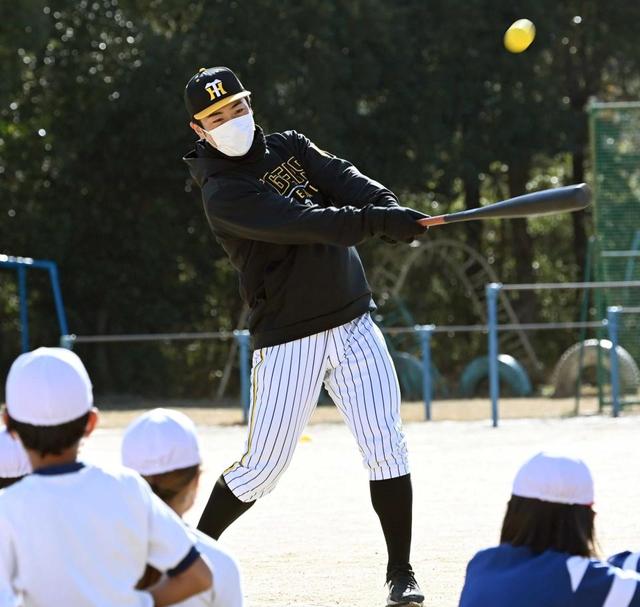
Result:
[[451, 410], [315, 541]]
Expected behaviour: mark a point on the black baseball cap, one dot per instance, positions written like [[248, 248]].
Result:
[[210, 89]]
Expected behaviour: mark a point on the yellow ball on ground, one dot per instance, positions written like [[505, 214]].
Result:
[[519, 36], [305, 438]]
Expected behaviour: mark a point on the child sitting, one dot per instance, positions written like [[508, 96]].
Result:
[[73, 533], [163, 447], [546, 556]]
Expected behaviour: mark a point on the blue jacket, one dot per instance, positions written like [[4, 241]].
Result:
[[506, 576]]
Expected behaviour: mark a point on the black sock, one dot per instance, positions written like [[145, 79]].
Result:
[[221, 510], [392, 500]]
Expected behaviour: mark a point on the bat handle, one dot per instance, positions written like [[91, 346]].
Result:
[[432, 221]]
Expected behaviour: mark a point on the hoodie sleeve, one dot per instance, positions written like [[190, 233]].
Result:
[[338, 178], [250, 210]]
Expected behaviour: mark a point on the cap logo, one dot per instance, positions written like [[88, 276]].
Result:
[[215, 89]]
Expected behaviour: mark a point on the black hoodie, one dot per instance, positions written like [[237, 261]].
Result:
[[288, 216]]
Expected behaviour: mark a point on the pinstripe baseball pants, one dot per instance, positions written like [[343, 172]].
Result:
[[353, 362]]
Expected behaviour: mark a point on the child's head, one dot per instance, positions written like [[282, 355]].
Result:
[[162, 446], [14, 463], [49, 402], [551, 507]]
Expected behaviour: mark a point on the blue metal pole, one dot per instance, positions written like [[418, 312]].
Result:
[[67, 341], [613, 313], [242, 338], [24, 313], [57, 296], [425, 332], [492, 291]]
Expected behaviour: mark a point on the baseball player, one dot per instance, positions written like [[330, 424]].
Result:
[[14, 463], [163, 447], [73, 533], [547, 547], [289, 215]]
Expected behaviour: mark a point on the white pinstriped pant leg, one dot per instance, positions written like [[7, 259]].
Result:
[[357, 370], [286, 382], [362, 381]]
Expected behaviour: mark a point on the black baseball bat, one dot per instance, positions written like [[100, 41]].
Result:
[[546, 202]]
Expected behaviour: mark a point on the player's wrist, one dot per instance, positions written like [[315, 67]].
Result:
[[397, 223]]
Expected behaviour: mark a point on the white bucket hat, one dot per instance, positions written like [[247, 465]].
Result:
[[48, 387], [161, 440], [14, 462], [555, 478]]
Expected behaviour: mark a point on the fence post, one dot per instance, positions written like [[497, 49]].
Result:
[[613, 313], [492, 291], [57, 297], [24, 313], [242, 337], [584, 314], [67, 341], [425, 332], [600, 312]]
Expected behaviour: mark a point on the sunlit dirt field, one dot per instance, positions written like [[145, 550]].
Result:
[[315, 541]]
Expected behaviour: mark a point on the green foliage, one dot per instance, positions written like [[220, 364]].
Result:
[[420, 95]]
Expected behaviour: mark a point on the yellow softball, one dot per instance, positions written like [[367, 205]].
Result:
[[519, 36]]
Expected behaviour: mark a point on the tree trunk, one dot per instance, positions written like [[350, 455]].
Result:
[[522, 247], [472, 201], [579, 219], [102, 355]]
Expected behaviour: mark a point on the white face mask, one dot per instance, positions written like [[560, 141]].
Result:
[[234, 137]]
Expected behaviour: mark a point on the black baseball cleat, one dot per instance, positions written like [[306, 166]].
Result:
[[403, 588]]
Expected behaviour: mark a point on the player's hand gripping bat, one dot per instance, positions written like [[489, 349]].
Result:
[[546, 202]]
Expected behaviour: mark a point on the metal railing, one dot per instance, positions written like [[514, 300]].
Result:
[[425, 333], [21, 265], [613, 319], [493, 290]]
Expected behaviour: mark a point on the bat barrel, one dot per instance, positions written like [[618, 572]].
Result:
[[557, 200]]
